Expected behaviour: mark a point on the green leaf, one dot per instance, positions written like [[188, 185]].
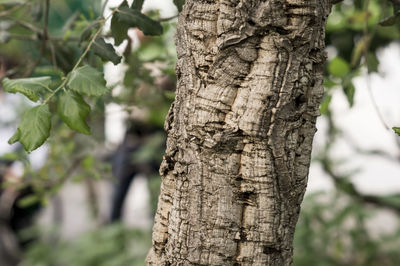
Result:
[[372, 62], [34, 128], [73, 110], [134, 18], [30, 87], [328, 83], [396, 130], [360, 48], [106, 51], [389, 21], [392, 20], [119, 29], [87, 32], [88, 81], [338, 67], [88, 162], [349, 90], [179, 4], [324, 108], [28, 201], [137, 4]]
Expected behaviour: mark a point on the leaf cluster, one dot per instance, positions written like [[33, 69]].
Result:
[[68, 89]]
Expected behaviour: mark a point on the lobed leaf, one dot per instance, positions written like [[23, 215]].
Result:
[[88, 81], [73, 110], [106, 51], [119, 29], [30, 87], [134, 18], [34, 128]]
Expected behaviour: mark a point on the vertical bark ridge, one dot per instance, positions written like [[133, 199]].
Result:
[[240, 131]]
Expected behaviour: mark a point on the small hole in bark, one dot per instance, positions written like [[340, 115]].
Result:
[[247, 197], [301, 99], [239, 178], [251, 22], [269, 250], [282, 31]]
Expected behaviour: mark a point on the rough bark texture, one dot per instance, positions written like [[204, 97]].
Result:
[[240, 131]]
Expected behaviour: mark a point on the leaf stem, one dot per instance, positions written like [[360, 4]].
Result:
[[103, 21], [62, 85]]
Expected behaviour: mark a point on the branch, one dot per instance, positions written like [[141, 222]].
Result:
[[12, 10], [351, 190]]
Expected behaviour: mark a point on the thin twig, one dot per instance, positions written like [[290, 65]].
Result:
[[12, 10], [349, 188], [44, 34], [45, 27], [26, 25], [375, 105], [368, 77], [104, 7], [168, 18], [53, 55], [82, 56]]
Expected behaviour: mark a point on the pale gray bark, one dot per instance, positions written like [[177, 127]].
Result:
[[240, 131]]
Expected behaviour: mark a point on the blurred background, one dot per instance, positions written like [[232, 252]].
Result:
[[89, 200]]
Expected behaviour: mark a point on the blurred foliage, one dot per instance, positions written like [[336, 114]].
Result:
[[355, 34], [332, 231], [112, 245]]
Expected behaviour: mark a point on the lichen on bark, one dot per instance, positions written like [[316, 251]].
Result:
[[240, 131]]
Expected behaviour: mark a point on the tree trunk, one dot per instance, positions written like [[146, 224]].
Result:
[[240, 131]]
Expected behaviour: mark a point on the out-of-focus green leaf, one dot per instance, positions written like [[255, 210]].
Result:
[[30, 87], [88, 162], [349, 90], [328, 83], [372, 62], [359, 49], [179, 4], [396, 130], [73, 110], [338, 67], [392, 20], [106, 51], [28, 201], [34, 128], [88, 81], [134, 18], [389, 21], [87, 32], [324, 108]]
